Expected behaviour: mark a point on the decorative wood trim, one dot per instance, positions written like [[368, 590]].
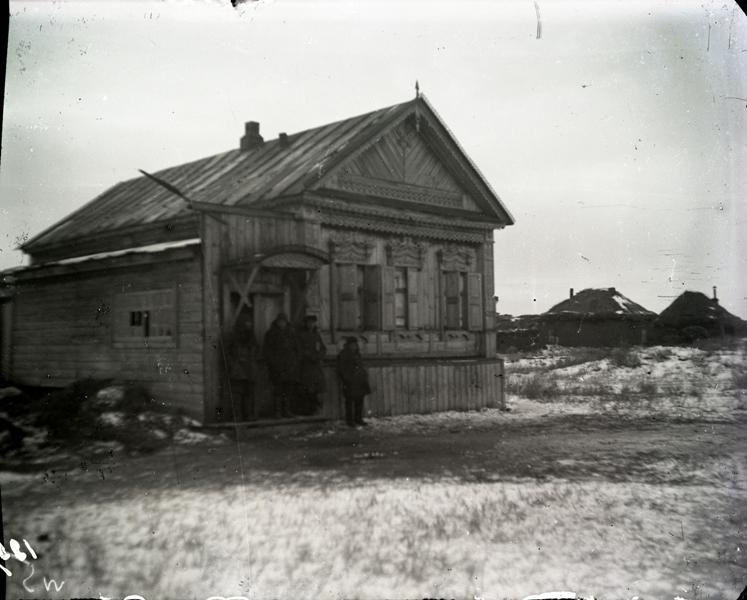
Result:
[[383, 227], [457, 258], [405, 253], [398, 190], [336, 202], [349, 247]]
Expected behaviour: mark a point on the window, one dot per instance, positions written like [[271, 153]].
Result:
[[377, 297], [145, 317], [400, 298], [463, 300]]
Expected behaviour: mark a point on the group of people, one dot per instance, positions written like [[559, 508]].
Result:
[[294, 360]]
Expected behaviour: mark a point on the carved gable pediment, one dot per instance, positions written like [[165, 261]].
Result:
[[399, 165]]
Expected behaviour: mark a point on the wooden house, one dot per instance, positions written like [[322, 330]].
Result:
[[380, 225]]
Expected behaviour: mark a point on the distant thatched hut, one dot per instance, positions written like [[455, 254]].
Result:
[[597, 317], [694, 315]]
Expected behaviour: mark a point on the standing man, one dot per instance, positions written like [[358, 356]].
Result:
[[311, 354], [241, 353], [354, 380], [281, 354]]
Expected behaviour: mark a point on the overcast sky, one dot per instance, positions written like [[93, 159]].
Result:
[[618, 140]]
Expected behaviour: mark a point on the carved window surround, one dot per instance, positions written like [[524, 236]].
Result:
[[456, 258], [405, 253], [350, 247]]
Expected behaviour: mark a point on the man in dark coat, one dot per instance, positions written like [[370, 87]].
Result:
[[354, 380], [311, 354], [281, 354], [241, 353]]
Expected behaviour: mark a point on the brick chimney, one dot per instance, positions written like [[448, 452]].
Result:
[[570, 295], [251, 138], [715, 296], [283, 140]]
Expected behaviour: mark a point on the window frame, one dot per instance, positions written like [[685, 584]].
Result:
[[148, 305]]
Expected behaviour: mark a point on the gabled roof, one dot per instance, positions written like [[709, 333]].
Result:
[[253, 177], [600, 302]]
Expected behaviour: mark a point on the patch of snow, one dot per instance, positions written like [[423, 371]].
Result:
[[109, 396], [160, 434], [553, 596], [112, 418], [7, 477], [149, 249], [9, 392], [188, 437]]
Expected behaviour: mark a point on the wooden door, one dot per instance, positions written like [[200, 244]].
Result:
[[266, 308]]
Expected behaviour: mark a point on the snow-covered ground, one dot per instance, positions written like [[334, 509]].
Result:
[[338, 531], [660, 381]]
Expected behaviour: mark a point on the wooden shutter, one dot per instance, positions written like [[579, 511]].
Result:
[[387, 299], [413, 297], [348, 296], [451, 294], [474, 301], [372, 297]]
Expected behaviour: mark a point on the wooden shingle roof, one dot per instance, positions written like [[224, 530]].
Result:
[[252, 177]]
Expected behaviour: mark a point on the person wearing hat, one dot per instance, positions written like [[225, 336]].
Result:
[[354, 379], [311, 351], [241, 351], [281, 355]]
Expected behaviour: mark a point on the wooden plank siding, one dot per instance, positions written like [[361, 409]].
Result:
[[63, 332], [423, 387]]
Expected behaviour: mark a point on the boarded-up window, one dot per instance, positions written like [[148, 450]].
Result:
[[145, 316]]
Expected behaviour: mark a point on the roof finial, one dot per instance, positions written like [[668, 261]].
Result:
[[417, 89]]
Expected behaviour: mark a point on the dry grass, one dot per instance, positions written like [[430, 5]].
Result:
[[391, 539], [692, 382]]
